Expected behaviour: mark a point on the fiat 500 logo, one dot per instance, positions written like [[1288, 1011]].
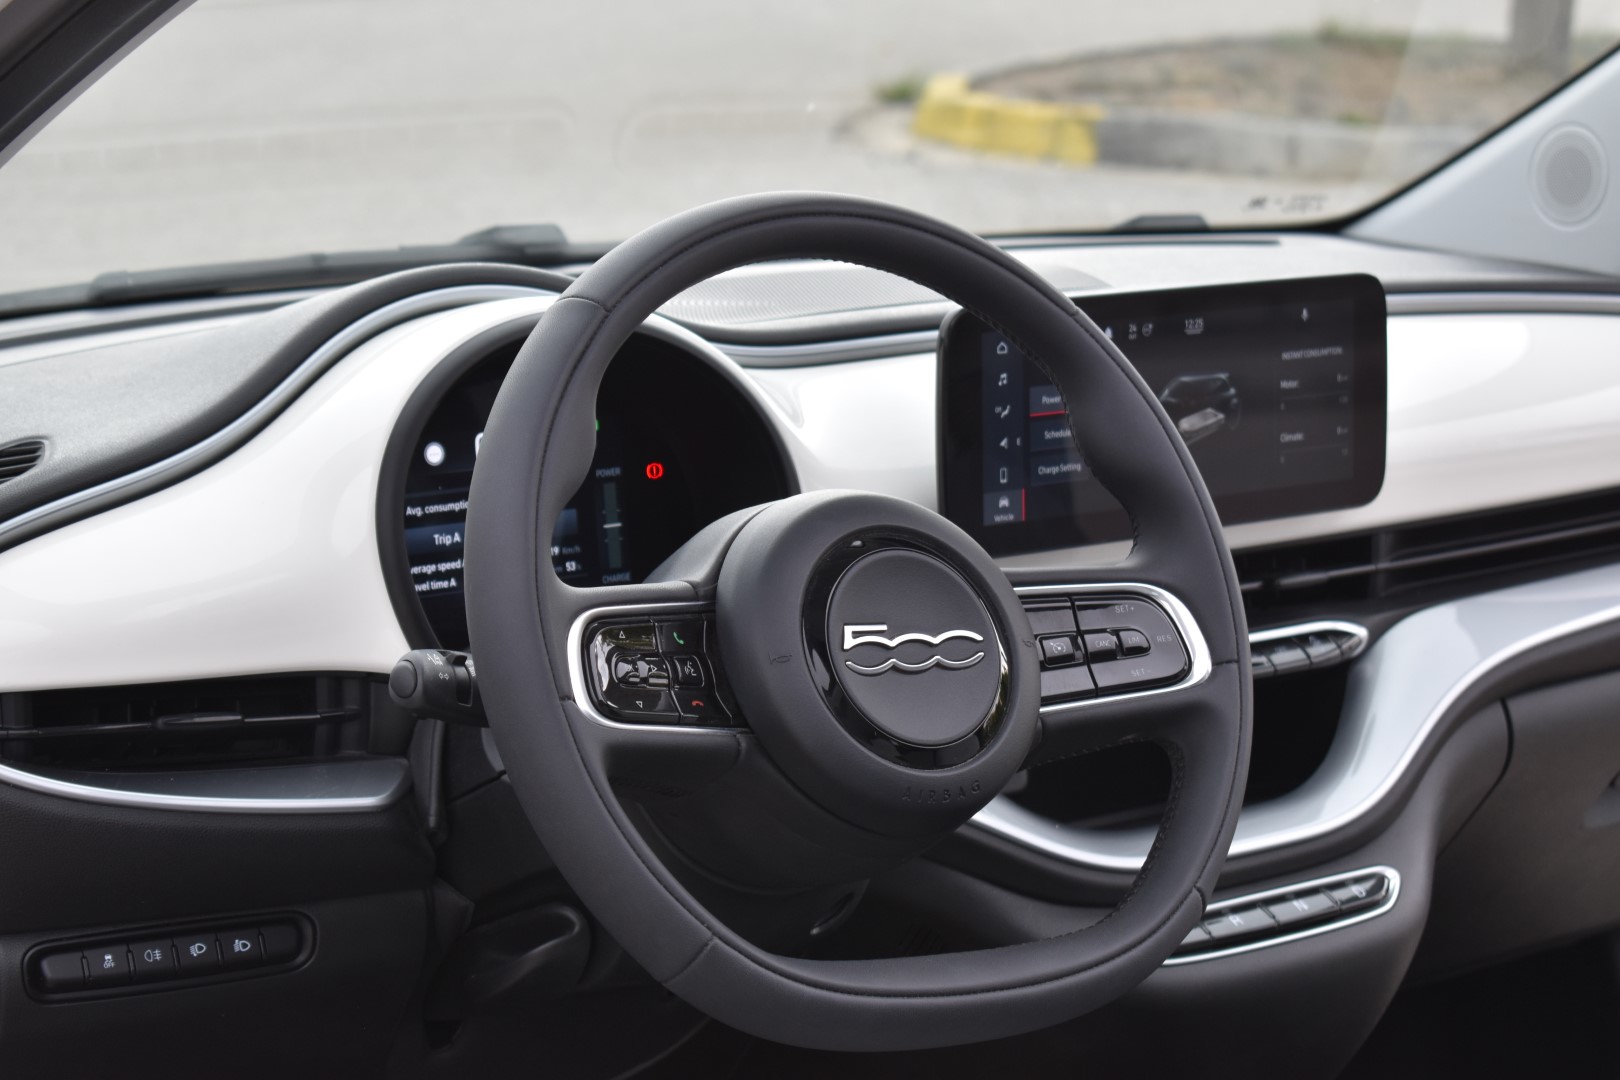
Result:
[[872, 634]]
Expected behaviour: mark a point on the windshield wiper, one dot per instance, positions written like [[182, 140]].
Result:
[[526, 245]]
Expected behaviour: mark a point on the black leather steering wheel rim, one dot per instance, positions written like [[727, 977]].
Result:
[[536, 451]]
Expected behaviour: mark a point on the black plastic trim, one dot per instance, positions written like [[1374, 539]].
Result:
[[306, 952]]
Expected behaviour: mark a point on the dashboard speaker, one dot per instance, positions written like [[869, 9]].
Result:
[[1569, 175]]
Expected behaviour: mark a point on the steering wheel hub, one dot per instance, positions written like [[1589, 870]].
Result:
[[911, 647]]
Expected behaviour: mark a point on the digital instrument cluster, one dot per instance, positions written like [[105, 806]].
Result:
[[677, 445]]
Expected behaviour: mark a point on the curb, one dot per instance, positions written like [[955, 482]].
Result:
[[951, 111]]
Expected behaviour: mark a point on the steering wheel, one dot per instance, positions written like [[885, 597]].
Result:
[[705, 842]]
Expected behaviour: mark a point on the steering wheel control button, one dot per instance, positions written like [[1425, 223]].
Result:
[[1057, 650], [1066, 683], [912, 647], [636, 704], [653, 671], [702, 707], [1237, 925], [1101, 646], [1304, 908], [197, 954], [1050, 619], [1133, 643], [636, 637], [646, 672], [240, 948], [680, 636], [686, 670], [153, 959]]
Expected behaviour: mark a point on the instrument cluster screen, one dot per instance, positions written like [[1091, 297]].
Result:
[[677, 446]]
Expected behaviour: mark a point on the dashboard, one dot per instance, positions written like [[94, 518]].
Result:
[[677, 446], [1427, 532]]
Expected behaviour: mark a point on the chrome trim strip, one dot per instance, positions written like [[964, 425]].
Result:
[[378, 799], [1318, 626], [1298, 935], [579, 684], [289, 388], [1199, 662], [1441, 651]]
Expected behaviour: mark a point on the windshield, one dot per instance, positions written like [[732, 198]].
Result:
[[249, 129]]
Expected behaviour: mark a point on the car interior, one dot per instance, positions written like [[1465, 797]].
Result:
[[1012, 571]]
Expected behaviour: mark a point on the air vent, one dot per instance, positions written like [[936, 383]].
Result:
[[173, 726], [1398, 561], [18, 457]]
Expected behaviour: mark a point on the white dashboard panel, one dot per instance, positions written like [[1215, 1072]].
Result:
[[267, 561], [1485, 410], [264, 562]]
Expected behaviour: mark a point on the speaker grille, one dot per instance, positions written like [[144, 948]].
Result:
[[1569, 175]]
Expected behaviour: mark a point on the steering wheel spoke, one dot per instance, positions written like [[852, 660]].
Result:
[[1118, 657]]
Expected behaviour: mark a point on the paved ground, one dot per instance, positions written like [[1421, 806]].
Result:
[[260, 127]]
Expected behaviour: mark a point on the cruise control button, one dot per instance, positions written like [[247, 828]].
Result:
[[197, 954], [1057, 650], [240, 948], [108, 965], [1307, 907], [1133, 643], [1233, 926], [1135, 615], [1101, 646], [681, 636], [153, 959], [1053, 619], [1361, 893], [1072, 681], [1134, 672], [637, 637], [687, 670]]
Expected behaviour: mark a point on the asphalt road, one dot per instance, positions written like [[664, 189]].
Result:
[[251, 128]]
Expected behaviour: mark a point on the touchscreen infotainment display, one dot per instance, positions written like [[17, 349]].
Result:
[[1277, 388]]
